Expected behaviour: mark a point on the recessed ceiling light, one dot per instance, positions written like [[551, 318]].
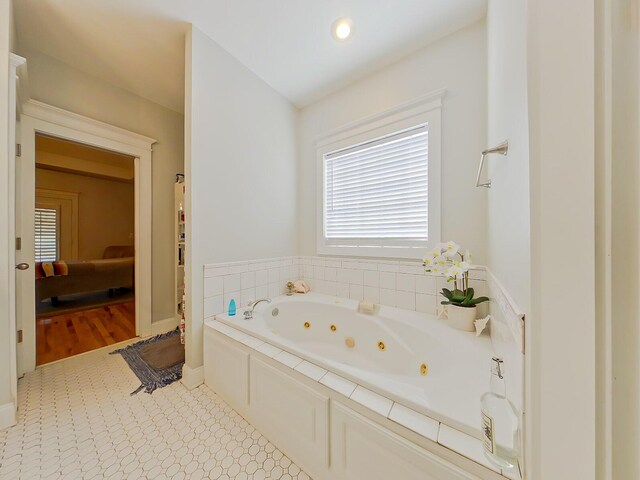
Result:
[[342, 28]]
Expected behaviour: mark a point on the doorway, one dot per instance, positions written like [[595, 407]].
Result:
[[84, 248], [36, 121]]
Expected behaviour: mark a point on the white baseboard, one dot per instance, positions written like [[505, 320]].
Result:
[[7, 415], [163, 326], [192, 377]]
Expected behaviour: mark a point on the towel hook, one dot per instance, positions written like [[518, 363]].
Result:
[[501, 149]]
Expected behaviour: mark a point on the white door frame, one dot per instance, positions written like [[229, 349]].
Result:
[[38, 117]]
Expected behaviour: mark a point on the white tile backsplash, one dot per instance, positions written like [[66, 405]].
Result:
[[247, 280], [356, 277], [372, 294], [213, 305], [342, 290], [507, 336], [401, 284], [406, 282], [425, 284], [371, 278], [388, 297], [262, 277], [406, 300], [388, 280], [426, 303], [213, 286], [231, 282], [356, 292]]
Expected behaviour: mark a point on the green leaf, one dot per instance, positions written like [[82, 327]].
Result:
[[478, 300], [458, 296], [445, 302], [468, 298], [447, 293]]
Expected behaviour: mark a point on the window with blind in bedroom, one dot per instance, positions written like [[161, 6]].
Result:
[[46, 234]]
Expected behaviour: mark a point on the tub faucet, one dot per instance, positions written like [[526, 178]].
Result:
[[248, 314]]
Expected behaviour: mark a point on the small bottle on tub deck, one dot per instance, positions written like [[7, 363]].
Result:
[[232, 308], [500, 421]]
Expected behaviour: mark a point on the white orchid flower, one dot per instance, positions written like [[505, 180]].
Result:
[[451, 249], [463, 266], [454, 271], [431, 254], [441, 261], [468, 257]]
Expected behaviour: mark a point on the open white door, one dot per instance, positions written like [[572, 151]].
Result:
[[24, 270], [14, 207]]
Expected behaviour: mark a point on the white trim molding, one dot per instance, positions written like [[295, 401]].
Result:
[[164, 326], [58, 116], [8, 417], [38, 117], [192, 377], [426, 109]]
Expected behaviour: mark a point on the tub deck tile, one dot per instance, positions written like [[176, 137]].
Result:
[[269, 350], [236, 334], [221, 327], [421, 424], [252, 342], [310, 370], [465, 445], [372, 400], [288, 359], [339, 384]]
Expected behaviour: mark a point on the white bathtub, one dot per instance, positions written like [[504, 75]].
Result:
[[458, 362]]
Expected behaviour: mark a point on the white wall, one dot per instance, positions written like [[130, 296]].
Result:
[[508, 199], [457, 63], [240, 170], [561, 326], [57, 84], [625, 258]]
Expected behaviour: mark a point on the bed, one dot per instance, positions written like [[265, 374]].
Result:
[[114, 270]]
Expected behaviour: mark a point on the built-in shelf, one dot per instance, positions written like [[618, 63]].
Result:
[[180, 249]]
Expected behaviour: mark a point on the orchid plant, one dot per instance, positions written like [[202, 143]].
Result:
[[447, 260]]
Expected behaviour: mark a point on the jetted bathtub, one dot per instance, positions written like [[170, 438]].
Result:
[[412, 358]]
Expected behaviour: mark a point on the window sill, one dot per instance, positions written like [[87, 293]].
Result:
[[391, 252]]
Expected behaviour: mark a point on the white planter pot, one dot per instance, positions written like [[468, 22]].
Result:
[[461, 318]]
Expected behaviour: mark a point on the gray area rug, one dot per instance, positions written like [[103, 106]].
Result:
[[156, 361]]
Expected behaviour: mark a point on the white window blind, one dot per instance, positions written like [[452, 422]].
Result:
[[46, 234], [376, 193]]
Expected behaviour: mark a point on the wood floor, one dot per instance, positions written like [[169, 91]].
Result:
[[64, 335]]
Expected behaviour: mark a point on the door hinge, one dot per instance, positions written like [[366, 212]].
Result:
[[524, 335], [18, 243], [19, 336], [18, 150]]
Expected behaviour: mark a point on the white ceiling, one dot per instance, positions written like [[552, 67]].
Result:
[[138, 45]]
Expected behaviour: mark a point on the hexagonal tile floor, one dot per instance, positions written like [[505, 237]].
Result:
[[78, 421]]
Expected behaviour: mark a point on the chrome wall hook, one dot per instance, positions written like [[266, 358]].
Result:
[[501, 149]]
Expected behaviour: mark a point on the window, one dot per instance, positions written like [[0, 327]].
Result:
[[380, 186], [46, 234], [377, 192]]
